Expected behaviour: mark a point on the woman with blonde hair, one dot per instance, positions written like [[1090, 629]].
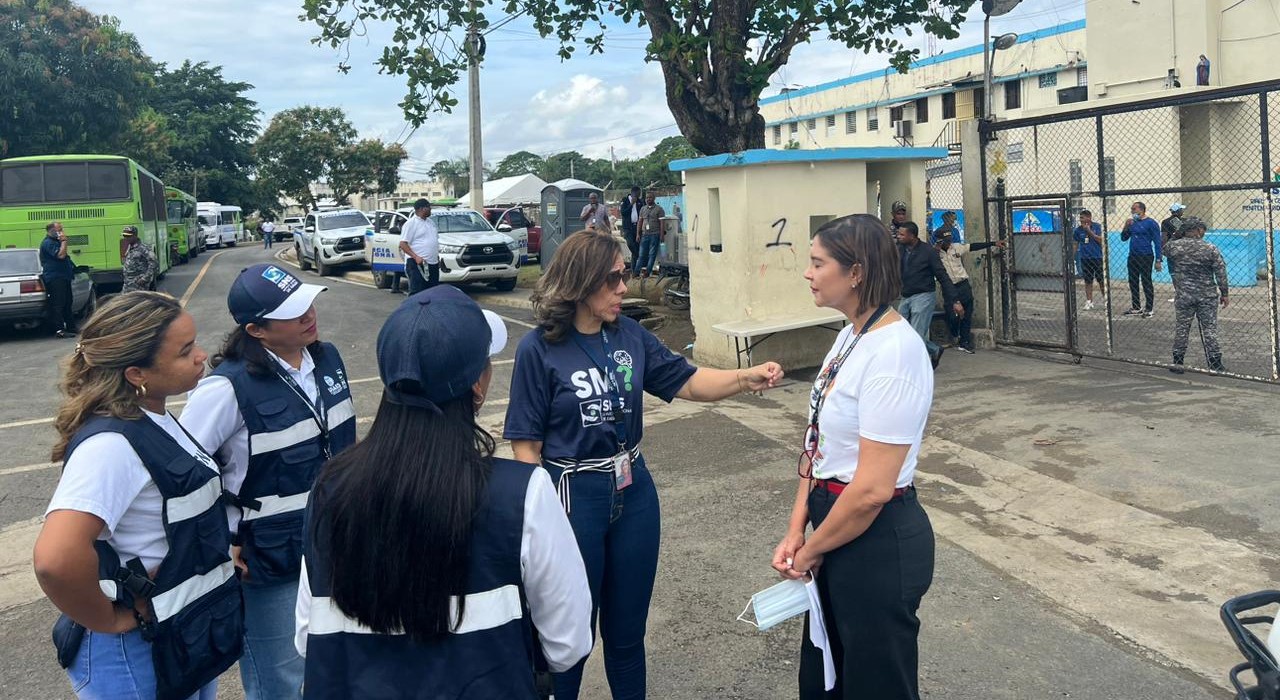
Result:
[[135, 549], [577, 409]]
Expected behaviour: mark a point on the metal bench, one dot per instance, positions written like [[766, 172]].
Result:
[[749, 333]]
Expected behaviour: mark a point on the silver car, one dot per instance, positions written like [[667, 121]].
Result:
[[23, 300]]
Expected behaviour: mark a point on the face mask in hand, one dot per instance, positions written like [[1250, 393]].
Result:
[[781, 601]]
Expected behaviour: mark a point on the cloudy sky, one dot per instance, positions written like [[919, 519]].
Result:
[[531, 100]]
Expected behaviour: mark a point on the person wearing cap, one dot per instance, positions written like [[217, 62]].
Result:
[[57, 272], [897, 216], [1200, 286], [420, 243], [138, 262], [276, 407], [577, 409], [422, 544], [1171, 230], [952, 254], [922, 273]]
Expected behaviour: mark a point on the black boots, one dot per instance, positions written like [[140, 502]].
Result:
[[1177, 364], [1215, 363]]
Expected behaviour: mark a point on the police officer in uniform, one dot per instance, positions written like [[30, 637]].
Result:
[[1200, 286], [135, 549], [139, 262], [421, 510], [275, 408]]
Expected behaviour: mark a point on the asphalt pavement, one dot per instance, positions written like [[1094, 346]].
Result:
[[1090, 518]]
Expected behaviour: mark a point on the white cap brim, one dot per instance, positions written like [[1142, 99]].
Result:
[[499, 331], [297, 303]]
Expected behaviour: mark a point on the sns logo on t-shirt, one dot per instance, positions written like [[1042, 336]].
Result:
[[597, 406]]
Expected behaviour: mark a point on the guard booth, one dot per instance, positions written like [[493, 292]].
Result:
[[562, 204], [748, 220]]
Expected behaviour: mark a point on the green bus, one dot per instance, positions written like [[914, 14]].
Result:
[[94, 196], [185, 241]]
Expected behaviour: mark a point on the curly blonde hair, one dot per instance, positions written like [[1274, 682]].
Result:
[[124, 332], [577, 271]]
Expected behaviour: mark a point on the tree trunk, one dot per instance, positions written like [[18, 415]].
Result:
[[715, 127]]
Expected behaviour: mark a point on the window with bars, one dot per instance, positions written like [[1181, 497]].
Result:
[[811, 124], [922, 110], [1013, 94], [777, 134], [873, 119], [831, 125], [895, 115], [948, 105], [1082, 77], [795, 126], [1075, 176], [1048, 80], [850, 122]]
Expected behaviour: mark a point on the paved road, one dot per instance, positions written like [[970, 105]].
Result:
[[1088, 566]]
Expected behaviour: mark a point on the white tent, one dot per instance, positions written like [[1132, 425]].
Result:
[[509, 192]]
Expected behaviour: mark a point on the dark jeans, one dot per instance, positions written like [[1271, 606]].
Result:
[[1140, 270], [649, 246], [268, 239], [870, 591], [416, 281], [961, 327], [617, 533], [632, 244], [61, 315]]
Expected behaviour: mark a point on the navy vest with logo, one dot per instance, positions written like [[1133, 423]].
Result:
[[286, 451], [490, 655], [197, 617]]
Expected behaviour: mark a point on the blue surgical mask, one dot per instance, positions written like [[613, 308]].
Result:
[[1136, 216], [779, 602]]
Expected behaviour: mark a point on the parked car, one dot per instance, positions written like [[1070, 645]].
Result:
[[513, 221], [23, 300], [332, 238], [470, 249]]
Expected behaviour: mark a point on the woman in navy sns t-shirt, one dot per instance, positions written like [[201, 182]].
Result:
[[577, 400]]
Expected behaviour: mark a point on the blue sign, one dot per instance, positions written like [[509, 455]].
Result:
[[1035, 221], [935, 222]]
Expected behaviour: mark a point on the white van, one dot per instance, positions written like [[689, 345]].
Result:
[[470, 249], [220, 224]]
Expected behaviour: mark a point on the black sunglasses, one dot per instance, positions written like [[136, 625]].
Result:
[[613, 279]]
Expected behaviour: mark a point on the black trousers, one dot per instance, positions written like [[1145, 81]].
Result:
[[870, 591], [61, 316], [1140, 270], [962, 327], [417, 282], [633, 243]]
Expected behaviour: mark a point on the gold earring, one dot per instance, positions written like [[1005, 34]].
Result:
[[141, 391]]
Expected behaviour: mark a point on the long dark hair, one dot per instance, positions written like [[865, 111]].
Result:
[[396, 512], [239, 345], [577, 271]]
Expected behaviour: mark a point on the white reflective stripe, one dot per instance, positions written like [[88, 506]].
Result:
[[172, 601], [110, 588], [341, 413], [301, 431], [484, 611], [275, 505], [189, 506]]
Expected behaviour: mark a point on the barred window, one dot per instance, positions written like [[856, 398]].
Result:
[[1048, 80], [873, 119], [777, 134], [850, 122]]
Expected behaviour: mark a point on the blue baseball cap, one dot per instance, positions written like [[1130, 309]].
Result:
[[268, 292], [435, 346]]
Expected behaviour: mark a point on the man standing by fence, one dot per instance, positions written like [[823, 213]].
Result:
[[1088, 237], [952, 254], [1200, 285], [921, 268], [1143, 234]]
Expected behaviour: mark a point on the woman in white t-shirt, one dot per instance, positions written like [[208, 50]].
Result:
[[871, 548], [137, 351]]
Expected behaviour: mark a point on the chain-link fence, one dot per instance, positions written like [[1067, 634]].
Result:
[[1084, 274]]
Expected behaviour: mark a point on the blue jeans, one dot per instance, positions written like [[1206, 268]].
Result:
[[267, 239], [617, 533], [119, 666], [918, 310], [270, 668], [649, 244]]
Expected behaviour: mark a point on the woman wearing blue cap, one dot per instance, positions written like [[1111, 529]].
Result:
[[428, 560], [275, 408], [577, 408]]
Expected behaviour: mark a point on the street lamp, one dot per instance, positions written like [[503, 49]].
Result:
[[993, 8]]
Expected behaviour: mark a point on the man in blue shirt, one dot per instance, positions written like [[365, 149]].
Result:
[[57, 271], [1143, 234], [1088, 237]]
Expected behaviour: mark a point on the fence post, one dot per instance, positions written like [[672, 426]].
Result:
[[973, 197], [1268, 232]]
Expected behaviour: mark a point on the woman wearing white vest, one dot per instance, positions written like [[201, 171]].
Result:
[[276, 406], [135, 546], [428, 560]]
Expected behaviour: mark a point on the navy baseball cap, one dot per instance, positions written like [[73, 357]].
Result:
[[435, 346], [268, 292]]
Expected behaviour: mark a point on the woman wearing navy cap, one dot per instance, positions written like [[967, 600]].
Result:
[[576, 408], [428, 560], [275, 408]]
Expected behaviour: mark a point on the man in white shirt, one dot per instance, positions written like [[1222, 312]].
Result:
[[268, 233], [420, 243]]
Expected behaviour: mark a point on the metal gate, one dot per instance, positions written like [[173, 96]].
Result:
[[1207, 150]]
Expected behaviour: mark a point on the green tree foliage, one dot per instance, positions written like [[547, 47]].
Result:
[[312, 144], [519, 163], [717, 56], [70, 81]]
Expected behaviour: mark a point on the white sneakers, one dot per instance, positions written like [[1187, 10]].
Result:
[[1088, 305]]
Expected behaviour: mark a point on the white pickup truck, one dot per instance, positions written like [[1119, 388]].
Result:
[[470, 249]]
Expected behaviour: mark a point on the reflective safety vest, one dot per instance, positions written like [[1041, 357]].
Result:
[[286, 450], [489, 655], [195, 610]]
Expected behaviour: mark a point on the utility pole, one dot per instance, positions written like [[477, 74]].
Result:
[[475, 52]]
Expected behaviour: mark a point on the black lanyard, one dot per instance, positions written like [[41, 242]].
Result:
[[606, 365], [319, 412], [827, 379]]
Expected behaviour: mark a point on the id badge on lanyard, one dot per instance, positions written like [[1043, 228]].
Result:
[[622, 460], [319, 413]]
